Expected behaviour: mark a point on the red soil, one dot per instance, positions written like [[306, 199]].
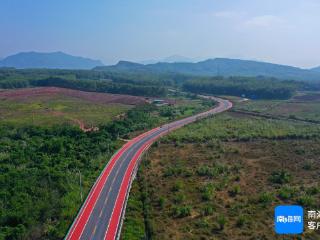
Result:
[[104, 98]]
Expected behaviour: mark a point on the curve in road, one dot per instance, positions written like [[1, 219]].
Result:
[[102, 213]]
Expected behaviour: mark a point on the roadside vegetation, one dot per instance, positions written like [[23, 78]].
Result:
[[41, 161], [221, 178]]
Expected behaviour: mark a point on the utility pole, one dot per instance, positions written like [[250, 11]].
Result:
[[80, 183]]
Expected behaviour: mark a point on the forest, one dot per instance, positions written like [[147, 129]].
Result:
[[153, 84], [253, 88], [40, 168]]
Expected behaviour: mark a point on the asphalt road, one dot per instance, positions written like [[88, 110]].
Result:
[[102, 213]]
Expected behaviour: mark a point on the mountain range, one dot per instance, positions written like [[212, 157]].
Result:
[[222, 67], [54, 60], [173, 64]]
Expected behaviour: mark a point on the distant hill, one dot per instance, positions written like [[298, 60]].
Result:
[[170, 59], [58, 60], [223, 67]]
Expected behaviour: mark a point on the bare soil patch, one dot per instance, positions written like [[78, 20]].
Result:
[[101, 98]]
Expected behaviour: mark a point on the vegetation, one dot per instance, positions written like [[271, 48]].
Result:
[[253, 88], [152, 83], [41, 163], [52, 110], [225, 183]]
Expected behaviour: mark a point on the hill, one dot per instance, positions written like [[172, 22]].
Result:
[[58, 60], [223, 67]]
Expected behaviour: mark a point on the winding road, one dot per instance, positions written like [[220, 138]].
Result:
[[103, 211]]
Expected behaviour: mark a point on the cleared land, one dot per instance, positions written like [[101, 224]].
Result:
[[220, 178], [49, 106]]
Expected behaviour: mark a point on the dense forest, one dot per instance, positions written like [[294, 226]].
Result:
[[40, 170], [253, 88], [153, 84]]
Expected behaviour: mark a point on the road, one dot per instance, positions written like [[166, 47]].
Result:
[[102, 213]]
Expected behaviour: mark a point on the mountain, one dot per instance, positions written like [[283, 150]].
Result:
[[177, 59], [57, 60], [223, 67], [170, 59]]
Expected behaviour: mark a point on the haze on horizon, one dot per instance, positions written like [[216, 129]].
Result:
[[284, 32]]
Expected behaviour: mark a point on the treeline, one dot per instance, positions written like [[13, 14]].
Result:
[[254, 88], [152, 83], [103, 86], [40, 167]]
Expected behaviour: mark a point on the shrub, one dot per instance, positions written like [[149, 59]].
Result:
[[207, 192], [286, 192], [177, 186], [181, 211], [161, 202], [266, 198], [221, 220], [307, 165], [306, 201], [179, 198], [280, 177], [207, 210], [235, 191], [313, 190], [241, 221]]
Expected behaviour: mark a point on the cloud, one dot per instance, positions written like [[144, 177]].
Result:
[[265, 21], [228, 14]]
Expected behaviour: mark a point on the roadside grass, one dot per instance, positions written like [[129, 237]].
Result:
[[205, 181]]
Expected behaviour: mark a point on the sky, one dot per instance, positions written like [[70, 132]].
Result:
[[277, 31]]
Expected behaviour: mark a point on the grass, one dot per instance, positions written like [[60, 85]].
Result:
[[48, 111], [294, 108], [238, 169]]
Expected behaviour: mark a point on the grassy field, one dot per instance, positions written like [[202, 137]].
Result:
[[221, 178], [48, 111], [304, 107], [51, 106]]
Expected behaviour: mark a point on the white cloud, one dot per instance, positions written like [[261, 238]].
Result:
[[265, 21], [228, 14]]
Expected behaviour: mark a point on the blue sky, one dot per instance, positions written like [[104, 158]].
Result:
[[285, 31]]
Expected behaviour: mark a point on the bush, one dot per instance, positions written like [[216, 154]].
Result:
[[221, 220], [235, 191], [241, 221], [182, 211], [207, 192], [266, 198], [286, 192], [280, 177], [161, 202], [177, 186], [207, 210], [306, 201], [179, 198]]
